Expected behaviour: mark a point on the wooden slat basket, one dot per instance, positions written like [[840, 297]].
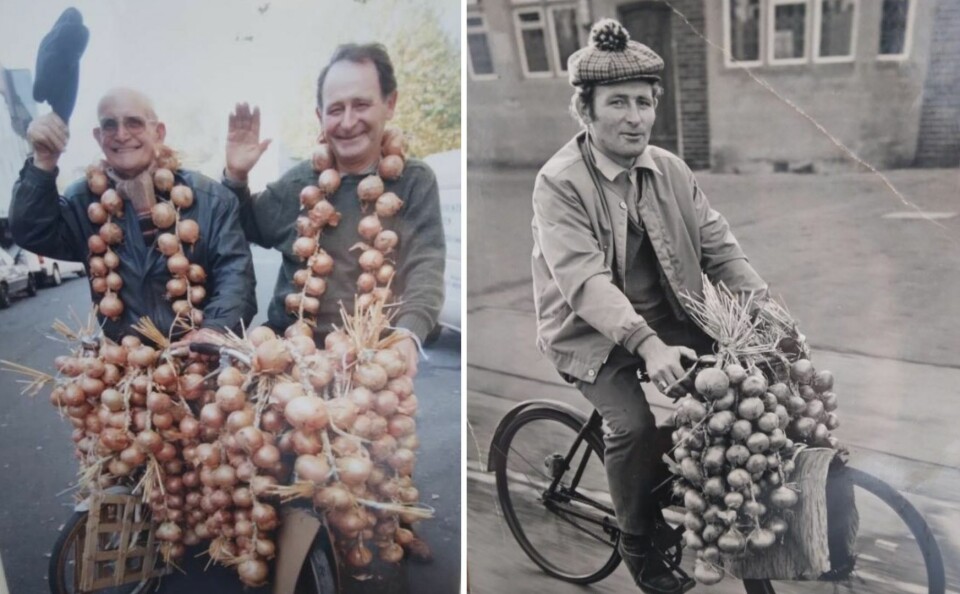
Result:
[[119, 545], [804, 553]]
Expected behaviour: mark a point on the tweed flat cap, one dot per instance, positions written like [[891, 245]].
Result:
[[612, 57]]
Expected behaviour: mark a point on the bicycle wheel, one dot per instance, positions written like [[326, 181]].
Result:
[[64, 575], [894, 552], [569, 531]]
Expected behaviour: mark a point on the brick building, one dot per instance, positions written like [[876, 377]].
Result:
[[882, 76]]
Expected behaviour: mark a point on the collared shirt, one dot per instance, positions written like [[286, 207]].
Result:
[[622, 181]]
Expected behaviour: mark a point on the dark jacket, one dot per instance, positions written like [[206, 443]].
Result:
[[269, 220], [58, 227], [579, 247]]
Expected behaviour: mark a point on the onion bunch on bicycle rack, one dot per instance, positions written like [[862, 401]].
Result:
[[739, 426]]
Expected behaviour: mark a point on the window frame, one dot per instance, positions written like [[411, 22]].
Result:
[[483, 28], [772, 60], [728, 60], [817, 27], [907, 36], [519, 27], [559, 68]]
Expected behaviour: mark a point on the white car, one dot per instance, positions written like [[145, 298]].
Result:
[[446, 166], [14, 278], [47, 271]]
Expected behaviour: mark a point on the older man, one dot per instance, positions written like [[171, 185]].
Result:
[[356, 96], [131, 137], [621, 229]]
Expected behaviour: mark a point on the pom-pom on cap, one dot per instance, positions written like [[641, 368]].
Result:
[[608, 35], [613, 57]]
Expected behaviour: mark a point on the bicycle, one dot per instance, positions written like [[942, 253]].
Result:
[[551, 485], [317, 574]]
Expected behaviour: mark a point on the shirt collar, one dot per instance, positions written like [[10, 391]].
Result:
[[611, 169]]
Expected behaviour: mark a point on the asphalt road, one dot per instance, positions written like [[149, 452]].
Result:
[[874, 293], [36, 462]]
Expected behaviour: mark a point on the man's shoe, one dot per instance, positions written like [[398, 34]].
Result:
[[650, 573]]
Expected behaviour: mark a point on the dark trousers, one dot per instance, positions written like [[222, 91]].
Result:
[[634, 445]]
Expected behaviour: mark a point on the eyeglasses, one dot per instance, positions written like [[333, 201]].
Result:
[[132, 124]]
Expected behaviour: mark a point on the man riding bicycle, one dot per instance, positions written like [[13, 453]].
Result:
[[621, 229]]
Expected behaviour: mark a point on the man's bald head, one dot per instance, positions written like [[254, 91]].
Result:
[[130, 97], [129, 132]]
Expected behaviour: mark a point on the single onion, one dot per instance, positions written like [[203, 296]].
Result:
[[323, 213], [321, 263], [316, 286], [309, 196], [386, 240], [371, 260], [307, 412], [369, 227], [197, 294], [163, 179], [97, 182], [304, 247], [182, 196], [266, 457], [163, 215], [97, 213], [353, 470], [391, 167], [333, 497], [168, 244], [306, 227], [178, 264], [272, 357], [112, 201], [111, 306], [115, 283], [196, 274], [370, 188], [388, 204], [111, 233], [253, 572], [329, 181], [96, 244], [322, 157], [312, 468], [189, 231], [392, 142], [176, 287], [366, 282]]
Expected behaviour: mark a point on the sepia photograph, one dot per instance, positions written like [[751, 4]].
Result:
[[230, 296], [712, 274]]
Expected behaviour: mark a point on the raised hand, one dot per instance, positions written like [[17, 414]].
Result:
[[244, 146], [48, 135]]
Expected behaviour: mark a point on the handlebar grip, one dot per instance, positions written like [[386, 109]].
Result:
[[205, 348]]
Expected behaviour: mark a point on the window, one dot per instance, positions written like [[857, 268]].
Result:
[[788, 32], [895, 29], [532, 41], [742, 32], [566, 37], [835, 30], [481, 62]]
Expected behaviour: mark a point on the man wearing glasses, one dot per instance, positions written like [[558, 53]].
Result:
[[131, 138]]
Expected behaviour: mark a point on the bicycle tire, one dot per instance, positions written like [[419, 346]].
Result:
[[500, 457], [856, 582], [936, 579], [71, 536]]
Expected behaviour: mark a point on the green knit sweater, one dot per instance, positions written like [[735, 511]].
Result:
[[269, 219]]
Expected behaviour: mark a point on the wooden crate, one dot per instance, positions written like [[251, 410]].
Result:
[[804, 552], [119, 545]]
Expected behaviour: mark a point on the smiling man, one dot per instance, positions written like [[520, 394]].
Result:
[[620, 230], [356, 96], [131, 138]]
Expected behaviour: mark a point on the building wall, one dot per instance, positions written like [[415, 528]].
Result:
[[517, 120], [873, 107], [939, 141]]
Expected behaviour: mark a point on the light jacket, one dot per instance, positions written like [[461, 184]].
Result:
[[579, 253]]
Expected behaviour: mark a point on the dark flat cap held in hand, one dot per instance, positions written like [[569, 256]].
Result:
[[612, 57], [58, 63]]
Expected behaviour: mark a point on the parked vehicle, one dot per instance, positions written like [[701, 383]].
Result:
[[46, 271], [446, 166], [14, 278]]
